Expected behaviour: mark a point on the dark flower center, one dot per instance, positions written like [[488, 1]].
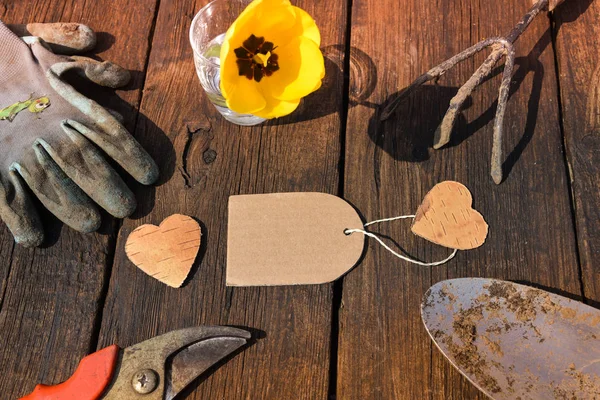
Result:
[[255, 58]]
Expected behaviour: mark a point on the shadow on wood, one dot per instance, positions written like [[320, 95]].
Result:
[[323, 102], [409, 133], [104, 41], [201, 251], [554, 290], [569, 13]]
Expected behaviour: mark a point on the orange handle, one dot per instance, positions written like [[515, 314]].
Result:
[[88, 382]]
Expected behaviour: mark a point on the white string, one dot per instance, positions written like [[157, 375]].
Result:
[[388, 219], [385, 246]]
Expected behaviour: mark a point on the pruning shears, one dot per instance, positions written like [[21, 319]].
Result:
[[156, 369]]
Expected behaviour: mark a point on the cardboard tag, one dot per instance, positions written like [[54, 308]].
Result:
[[446, 217], [166, 252], [290, 239]]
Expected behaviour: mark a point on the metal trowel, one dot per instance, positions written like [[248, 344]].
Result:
[[514, 341]]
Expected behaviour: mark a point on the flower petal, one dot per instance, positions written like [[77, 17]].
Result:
[[256, 10], [274, 20], [229, 72], [262, 18], [277, 108], [298, 23], [318, 86], [296, 38], [308, 25], [243, 96], [227, 60], [301, 67]]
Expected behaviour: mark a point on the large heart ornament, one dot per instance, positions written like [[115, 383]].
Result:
[[166, 252], [446, 217]]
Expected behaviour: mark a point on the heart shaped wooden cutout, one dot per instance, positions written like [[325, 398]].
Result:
[[165, 252], [446, 217]]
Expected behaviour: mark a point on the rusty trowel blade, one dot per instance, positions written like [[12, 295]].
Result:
[[514, 341]]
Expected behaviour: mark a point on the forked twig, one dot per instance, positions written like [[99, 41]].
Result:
[[501, 47]]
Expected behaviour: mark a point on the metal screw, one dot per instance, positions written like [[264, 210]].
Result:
[[145, 381]]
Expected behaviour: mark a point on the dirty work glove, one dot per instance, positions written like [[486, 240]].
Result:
[[53, 141]]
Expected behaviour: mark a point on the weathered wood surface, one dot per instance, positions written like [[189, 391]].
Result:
[[384, 350], [50, 308], [209, 160], [578, 55], [361, 338]]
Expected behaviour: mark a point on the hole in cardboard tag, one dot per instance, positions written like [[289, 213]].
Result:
[[290, 239]]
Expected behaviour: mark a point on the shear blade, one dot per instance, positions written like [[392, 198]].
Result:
[[175, 359], [194, 360]]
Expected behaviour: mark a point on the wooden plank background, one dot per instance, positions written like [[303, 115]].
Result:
[[296, 321], [361, 337], [385, 351], [578, 58]]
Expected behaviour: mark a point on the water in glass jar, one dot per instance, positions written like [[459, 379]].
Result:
[[208, 69]]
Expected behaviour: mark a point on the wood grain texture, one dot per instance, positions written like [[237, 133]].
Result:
[[52, 295], [7, 245], [50, 298], [578, 55], [384, 350], [552, 4], [204, 160]]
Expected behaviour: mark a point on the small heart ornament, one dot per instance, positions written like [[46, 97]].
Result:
[[165, 252], [446, 217]]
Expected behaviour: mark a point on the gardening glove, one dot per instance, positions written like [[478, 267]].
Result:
[[53, 141]]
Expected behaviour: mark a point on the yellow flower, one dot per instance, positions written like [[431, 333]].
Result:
[[270, 59]]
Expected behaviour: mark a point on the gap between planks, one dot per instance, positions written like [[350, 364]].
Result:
[[338, 285], [112, 246], [567, 165]]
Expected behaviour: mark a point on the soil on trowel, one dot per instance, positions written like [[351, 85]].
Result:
[[523, 307], [466, 354], [465, 351], [506, 308]]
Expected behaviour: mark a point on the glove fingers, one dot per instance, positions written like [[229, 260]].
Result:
[[116, 115], [103, 73], [84, 164], [114, 140], [58, 193], [63, 37], [107, 132], [18, 212]]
